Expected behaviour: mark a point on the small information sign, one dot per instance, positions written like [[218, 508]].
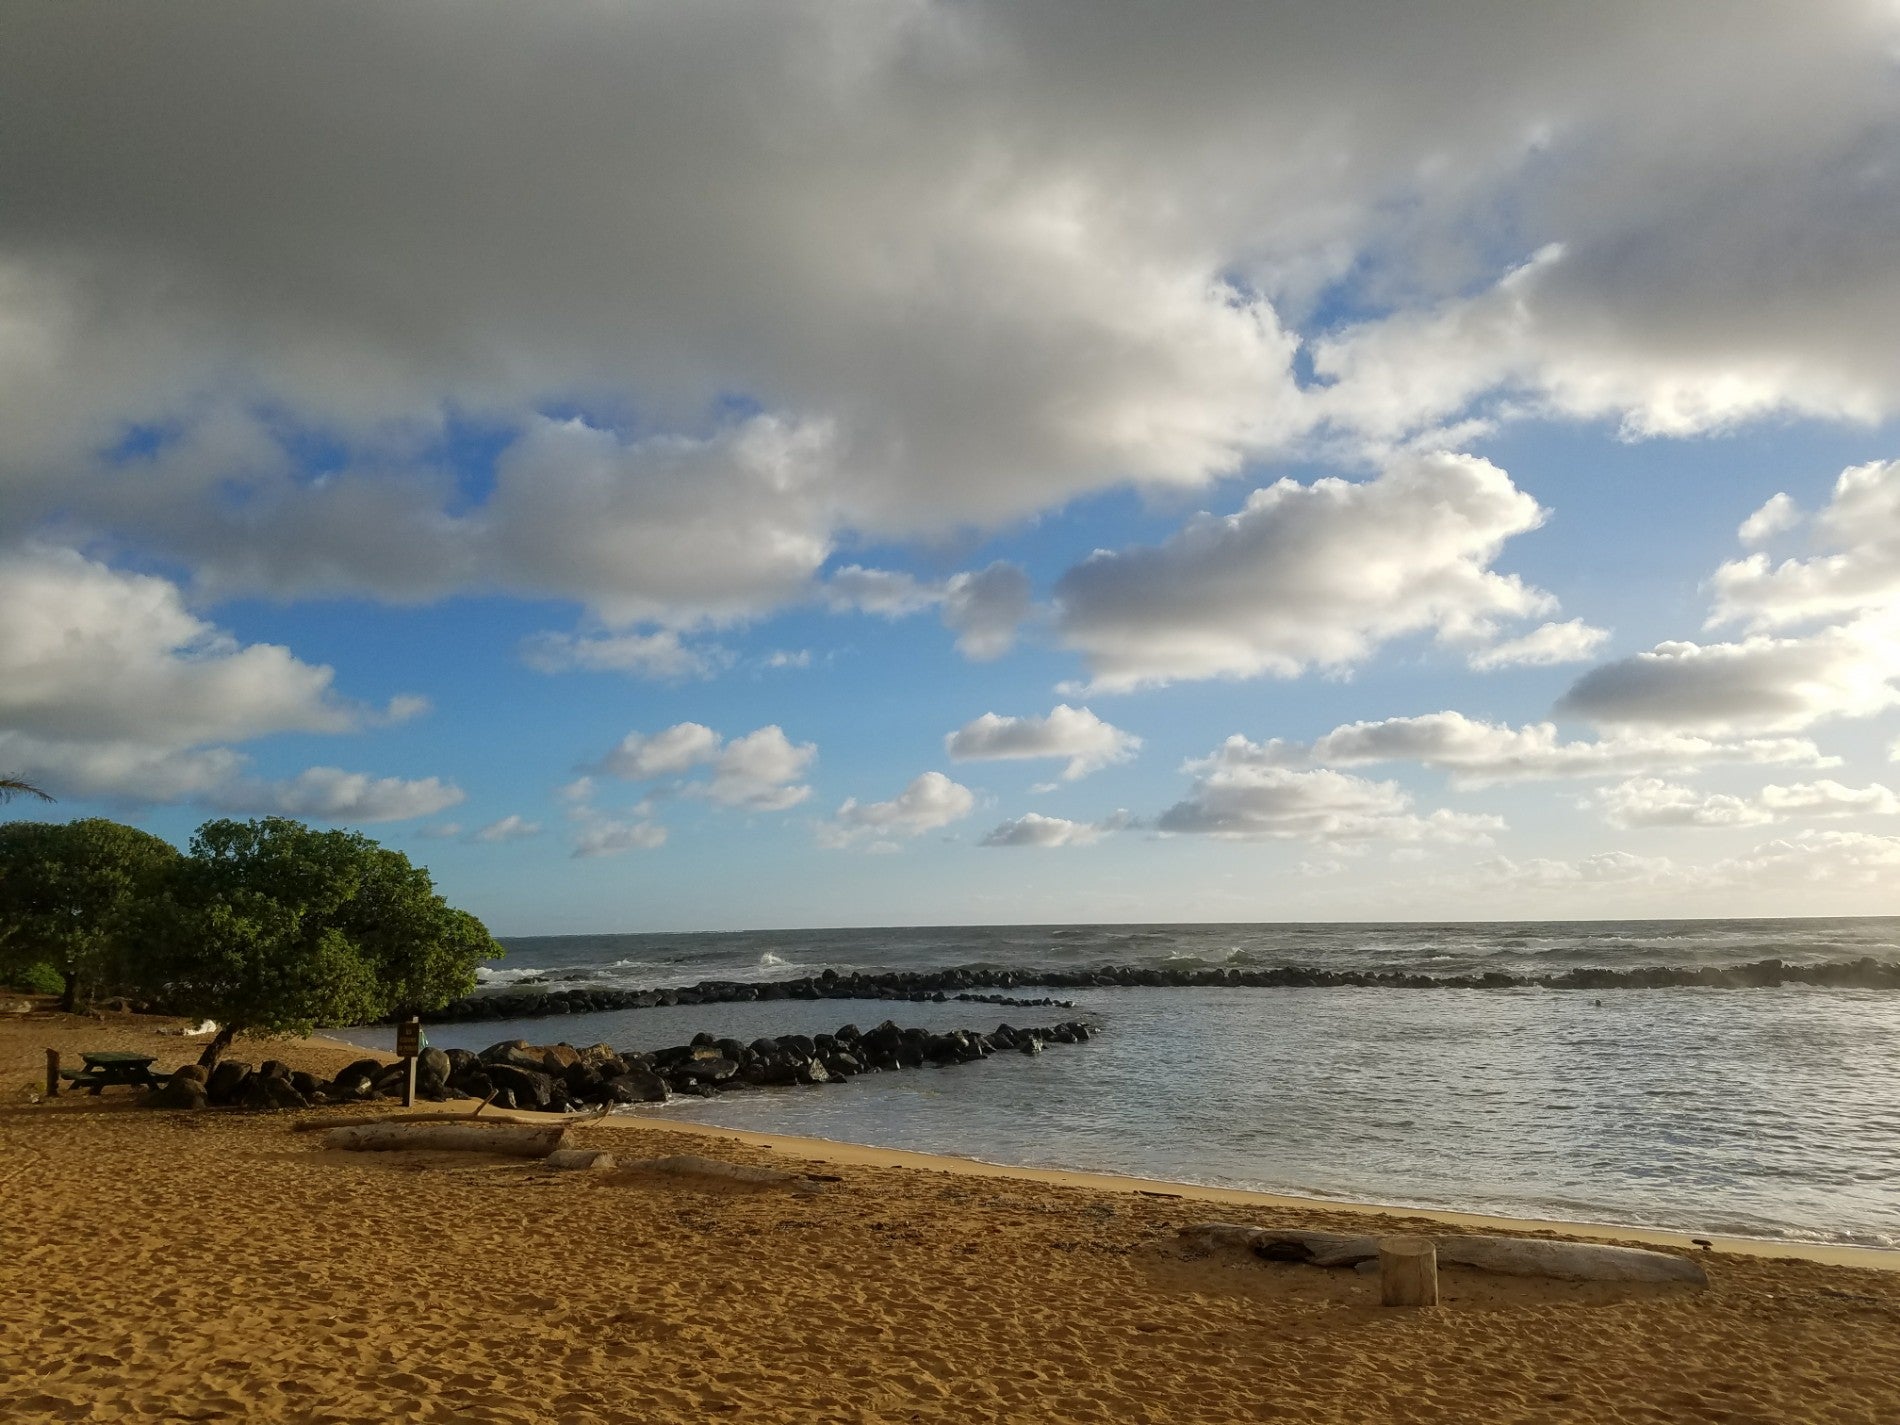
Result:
[[409, 1039]]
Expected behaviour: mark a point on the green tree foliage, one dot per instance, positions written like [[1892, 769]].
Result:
[[269, 926], [70, 894]]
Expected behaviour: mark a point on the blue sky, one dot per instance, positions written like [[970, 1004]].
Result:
[[610, 452]]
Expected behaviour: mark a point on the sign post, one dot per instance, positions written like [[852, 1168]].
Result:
[[408, 1047]]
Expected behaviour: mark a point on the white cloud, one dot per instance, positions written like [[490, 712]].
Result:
[[1649, 801], [606, 836], [598, 833], [111, 688], [1306, 574], [757, 771], [930, 802], [1606, 868], [679, 748], [1835, 859], [1075, 733], [1759, 684], [1841, 862], [1543, 647], [1246, 803], [1479, 754], [1652, 802], [1777, 515], [983, 607], [1829, 798], [513, 827], [89, 653], [659, 654], [1034, 829], [1857, 570]]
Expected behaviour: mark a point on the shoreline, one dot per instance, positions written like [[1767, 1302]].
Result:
[[843, 1153], [839, 1153]]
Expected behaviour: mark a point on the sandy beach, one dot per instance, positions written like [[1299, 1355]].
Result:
[[217, 1266]]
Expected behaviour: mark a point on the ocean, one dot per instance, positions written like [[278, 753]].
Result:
[[1771, 1113]]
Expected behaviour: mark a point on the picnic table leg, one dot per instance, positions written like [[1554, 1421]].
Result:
[[52, 1073]]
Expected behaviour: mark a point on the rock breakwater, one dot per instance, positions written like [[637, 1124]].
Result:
[[557, 1078], [963, 983]]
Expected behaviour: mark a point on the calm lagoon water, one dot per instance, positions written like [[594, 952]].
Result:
[[1770, 1113]]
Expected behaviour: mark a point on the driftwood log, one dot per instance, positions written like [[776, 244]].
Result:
[[359, 1120], [690, 1165], [1509, 1256], [580, 1159], [513, 1139]]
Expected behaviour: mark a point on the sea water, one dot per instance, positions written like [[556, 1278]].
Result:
[[1768, 1113]]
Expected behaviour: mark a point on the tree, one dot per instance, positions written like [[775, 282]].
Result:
[[270, 926], [11, 787], [70, 894]]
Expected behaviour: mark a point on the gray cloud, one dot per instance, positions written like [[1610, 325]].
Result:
[[1758, 684], [1075, 733], [887, 267], [1253, 803], [983, 607]]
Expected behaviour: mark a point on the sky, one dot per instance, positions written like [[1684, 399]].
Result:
[[868, 462]]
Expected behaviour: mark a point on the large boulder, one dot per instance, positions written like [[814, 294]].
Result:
[[603, 1060], [227, 1081], [709, 1069], [463, 1065], [180, 1091], [530, 1088], [637, 1085], [358, 1080], [517, 1053], [432, 1073], [559, 1058], [271, 1091]]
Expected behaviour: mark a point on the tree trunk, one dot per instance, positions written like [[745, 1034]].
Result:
[[69, 997], [219, 1043]]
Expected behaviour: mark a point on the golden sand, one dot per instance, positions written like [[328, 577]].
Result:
[[216, 1266]]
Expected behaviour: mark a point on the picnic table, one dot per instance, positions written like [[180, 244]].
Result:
[[106, 1069]]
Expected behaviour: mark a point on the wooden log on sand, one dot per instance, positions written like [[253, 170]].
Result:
[[691, 1165], [1509, 1256], [512, 1139], [1408, 1271], [359, 1120], [586, 1160]]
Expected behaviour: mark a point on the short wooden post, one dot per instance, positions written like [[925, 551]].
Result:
[[1408, 1271], [409, 1046], [52, 1073]]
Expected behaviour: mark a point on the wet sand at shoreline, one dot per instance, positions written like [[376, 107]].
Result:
[[217, 1266]]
